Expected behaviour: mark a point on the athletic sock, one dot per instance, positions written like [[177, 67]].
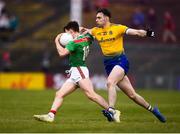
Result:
[[150, 108], [52, 113], [111, 109]]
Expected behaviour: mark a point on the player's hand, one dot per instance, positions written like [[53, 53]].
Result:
[[59, 36], [57, 39], [83, 30], [150, 33]]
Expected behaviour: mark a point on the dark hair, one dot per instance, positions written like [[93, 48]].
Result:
[[105, 11], [72, 25]]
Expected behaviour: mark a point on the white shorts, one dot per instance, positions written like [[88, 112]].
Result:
[[77, 74]]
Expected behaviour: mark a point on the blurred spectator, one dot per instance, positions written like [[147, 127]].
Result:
[[6, 61], [101, 4], [2, 6], [138, 19], [8, 24], [169, 28], [13, 22], [152, 19], [4, 22]]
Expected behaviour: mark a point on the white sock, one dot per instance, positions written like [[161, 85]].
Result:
[[112, 110], [150, 108], [51, 114]]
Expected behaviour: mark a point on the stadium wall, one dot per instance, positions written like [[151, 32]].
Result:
[[42, 81]]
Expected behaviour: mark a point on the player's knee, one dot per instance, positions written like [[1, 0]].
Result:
[[132, 96], [110, 83], [59, 95]]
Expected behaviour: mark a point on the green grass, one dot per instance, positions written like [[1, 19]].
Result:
[[78, 114]]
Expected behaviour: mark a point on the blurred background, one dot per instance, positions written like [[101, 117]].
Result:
[[28, 56]]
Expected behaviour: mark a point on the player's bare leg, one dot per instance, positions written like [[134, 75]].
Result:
[[116, 75], [87, 86], [126, 87], [66, 89]]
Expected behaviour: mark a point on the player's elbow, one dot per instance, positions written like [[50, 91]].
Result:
[[62, 54]]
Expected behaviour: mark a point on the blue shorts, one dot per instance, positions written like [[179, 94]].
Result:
[[120, 60]]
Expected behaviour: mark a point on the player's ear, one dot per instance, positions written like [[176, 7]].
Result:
[[106, 18]]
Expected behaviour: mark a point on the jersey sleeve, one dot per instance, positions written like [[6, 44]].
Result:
[[93, 31], [122, 29], [89, 36], [71, 46]]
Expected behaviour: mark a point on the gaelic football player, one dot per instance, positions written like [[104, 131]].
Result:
[[110, 39], [77, 50]]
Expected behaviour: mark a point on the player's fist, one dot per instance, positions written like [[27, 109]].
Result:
[[150, 33], [83, 30]]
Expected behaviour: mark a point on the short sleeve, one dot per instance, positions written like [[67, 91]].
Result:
[[122, 29], [93, 31], [89, 36]]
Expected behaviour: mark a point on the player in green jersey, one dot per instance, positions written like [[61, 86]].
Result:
[[77, 50]]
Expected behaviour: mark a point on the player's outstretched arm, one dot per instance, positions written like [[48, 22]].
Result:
[[61, 51], [84, 30], [141, 33]]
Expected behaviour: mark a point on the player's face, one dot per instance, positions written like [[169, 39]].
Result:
[[70, 32], [101, 19]]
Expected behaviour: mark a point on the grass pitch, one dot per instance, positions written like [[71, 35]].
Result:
[[78, 114]]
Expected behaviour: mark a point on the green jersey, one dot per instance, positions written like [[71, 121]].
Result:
[[79, 49]]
